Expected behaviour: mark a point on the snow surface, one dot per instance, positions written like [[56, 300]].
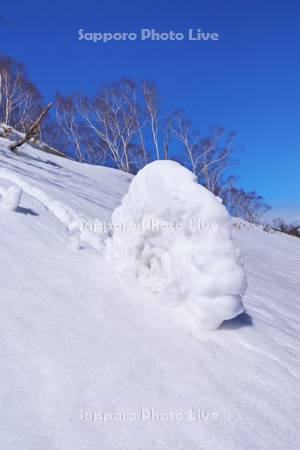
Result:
[[174, 237], [77, 345]]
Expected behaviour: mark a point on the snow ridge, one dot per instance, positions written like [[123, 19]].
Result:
[[65, 214]]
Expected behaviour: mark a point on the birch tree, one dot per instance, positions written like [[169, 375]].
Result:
[[20, 100], [116, 119]]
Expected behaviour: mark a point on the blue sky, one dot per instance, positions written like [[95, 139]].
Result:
[[248, 81]]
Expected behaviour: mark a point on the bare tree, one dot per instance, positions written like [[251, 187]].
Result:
[[182, 130], [68, 120], [20, 100], [167, 139], [214, 156], [280, 224], [247, 205], [80, 139], [209, 157], [115, 117], [152, 102]]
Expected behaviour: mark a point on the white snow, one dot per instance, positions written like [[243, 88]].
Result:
[[10, 198], [78, 345], [174, 237]]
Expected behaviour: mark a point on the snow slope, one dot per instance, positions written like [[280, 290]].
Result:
[[78, 346]]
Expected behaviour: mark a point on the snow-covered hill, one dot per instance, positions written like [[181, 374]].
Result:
[[89, 363]]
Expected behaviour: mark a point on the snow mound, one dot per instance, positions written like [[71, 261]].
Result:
[[174, 237], [10, 198]]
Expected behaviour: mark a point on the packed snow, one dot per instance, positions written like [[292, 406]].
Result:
[[90, 361], [174, 237]]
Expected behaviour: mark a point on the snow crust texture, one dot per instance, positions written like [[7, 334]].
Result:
[[174, 237]]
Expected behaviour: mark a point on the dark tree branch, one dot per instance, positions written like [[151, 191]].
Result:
[[33, 130]]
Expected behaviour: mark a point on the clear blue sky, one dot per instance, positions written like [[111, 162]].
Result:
[[248, 81]]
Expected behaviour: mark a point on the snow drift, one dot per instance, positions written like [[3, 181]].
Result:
[[174, 237]]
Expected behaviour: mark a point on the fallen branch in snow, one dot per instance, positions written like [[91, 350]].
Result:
[[32, 130], [5, 131]]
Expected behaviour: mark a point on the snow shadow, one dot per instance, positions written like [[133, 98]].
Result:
[[26, 211], [240, 321]]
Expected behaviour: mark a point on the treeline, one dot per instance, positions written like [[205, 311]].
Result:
[[280, 224], [125, 126]]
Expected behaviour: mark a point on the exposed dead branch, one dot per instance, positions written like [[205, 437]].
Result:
[[33, 130]]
